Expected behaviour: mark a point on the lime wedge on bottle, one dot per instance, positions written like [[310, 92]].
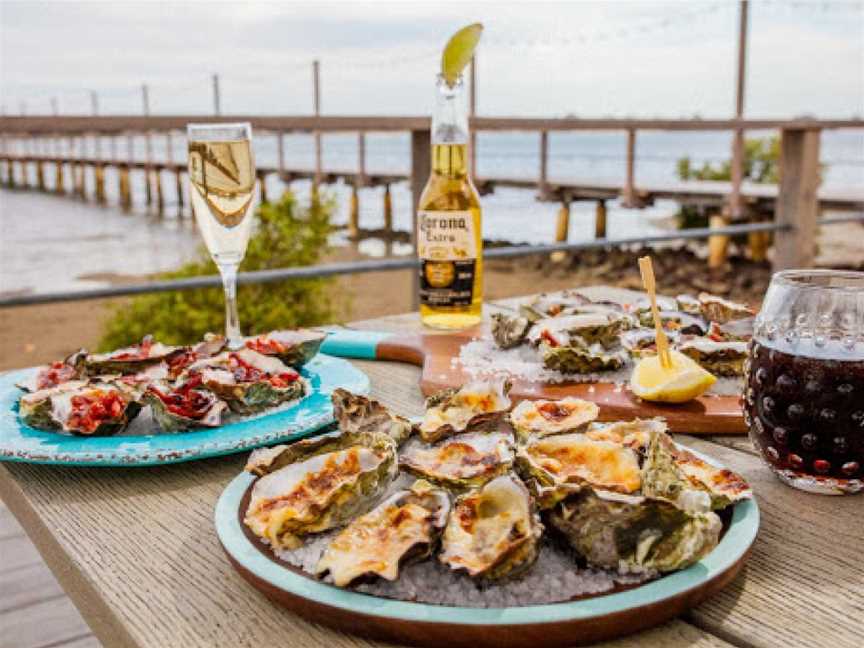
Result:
[[459, 51]]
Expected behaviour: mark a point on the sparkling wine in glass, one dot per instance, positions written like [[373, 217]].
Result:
[[222, 179]]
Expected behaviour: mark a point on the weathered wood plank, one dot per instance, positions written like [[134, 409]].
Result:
[[8, 524], [49, 623], [26, 585], [17, 551]]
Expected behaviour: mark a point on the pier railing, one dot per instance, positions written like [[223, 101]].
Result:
[[793, 207]]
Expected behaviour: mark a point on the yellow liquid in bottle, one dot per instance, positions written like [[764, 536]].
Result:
[[451, 202]]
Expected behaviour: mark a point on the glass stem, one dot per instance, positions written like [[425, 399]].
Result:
[[232, 319]]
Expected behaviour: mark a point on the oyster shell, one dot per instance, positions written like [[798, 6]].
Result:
[[128, 360], [464, 461], [602, 328], [721, 358], [575, 360], [493, 532], [633, 534], [509, 331], [80, 408], [635, 434], [311, 487], [643, 306], [678, 321], [293, 347], [56, 373], [248, 381], [688, 304], [566, 462], [717, 309], [552, 305], [182, 358], [402, 529], [453, 411], [541, 418], [734, 331], [356, 414], [184, 406]]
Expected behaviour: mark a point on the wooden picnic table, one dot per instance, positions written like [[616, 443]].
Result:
[[136, 552]]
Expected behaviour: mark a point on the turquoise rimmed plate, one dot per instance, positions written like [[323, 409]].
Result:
[[20, 442], [571, 623]]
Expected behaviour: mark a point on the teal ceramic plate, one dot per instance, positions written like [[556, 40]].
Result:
[[139, 447], [556, 624]]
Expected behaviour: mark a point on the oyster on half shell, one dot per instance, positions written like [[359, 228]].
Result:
[[402, 529], [293, 347], [128, 360], [633, 534], [355, 414], [56, 373], [312, 487], [581, 359], [552, 305], [80, 408], [539, 418], [635, 434], [720, 358], [509, 331], [717, 309], [493, 532], [184, 406], [592, 328], [464, 461], [454, 411]]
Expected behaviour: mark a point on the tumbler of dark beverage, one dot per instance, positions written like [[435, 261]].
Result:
[[804, 389]]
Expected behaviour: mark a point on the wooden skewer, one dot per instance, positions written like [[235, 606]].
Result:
[[647, 271]]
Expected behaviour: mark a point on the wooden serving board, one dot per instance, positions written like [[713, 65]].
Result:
[[433, 353]]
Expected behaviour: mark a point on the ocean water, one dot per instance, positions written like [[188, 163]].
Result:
[[50, 243]]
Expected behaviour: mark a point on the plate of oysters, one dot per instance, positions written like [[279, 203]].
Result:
[[152, 403], [486, 522]]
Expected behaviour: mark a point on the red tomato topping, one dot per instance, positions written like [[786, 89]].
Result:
[[265, 345], [187, 400], [93, 408], [553, 411], [139, 352], [550, 340], [245, 373], [55, 374]]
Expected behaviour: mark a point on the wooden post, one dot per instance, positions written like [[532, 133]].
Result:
[[99, 181], [472, 112], [40, 176], [178, 177], [600, 220], [124, 190], [316, 104], [160, 199], [421, 167], [388, 211], [148, 189], [562, 231], [361, 159], [718, 245], [262, 182], [217, 103], [59, 187], [544, 156], [797, 204], [629, 199], [280, 149], [735, 206], [354, 214]]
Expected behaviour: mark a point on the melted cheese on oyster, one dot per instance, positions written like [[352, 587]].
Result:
[[461, 459], [545, 417], [477, 398], [576, 458], [298, 496], [719, 482], [633, 434]]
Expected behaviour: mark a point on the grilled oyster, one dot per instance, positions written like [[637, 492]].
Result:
[[633, 534], [541, 418], [681, 478], [56, 373], [184, 406], [80, 408], [493, 532], [129, 360], [464, 461], [248, 381], [453, 411], [721, 358], [717, 309], [402, 529], [576, 360], [635, 434], [509, 331], [308, 487], [293, 347], [356, 414], [601, 328], [560, 464]]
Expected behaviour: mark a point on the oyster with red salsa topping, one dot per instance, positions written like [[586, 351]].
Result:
[[183, 357], [540, 418], [453, 411], [129, 360], [185, 405], [56, 373], [293, 347], [248, 381], [403, 529], [493, 532], [80, 408]]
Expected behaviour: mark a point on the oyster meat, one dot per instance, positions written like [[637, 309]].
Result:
[[633, 534], [178, 361], [356, 414], [493, 532], [402, 529], [509, 331], [540, 418], [248, 381], [721, 358], [717, 309], [56, 373], [184, 406], [599, 328], [688, 304], [677, 321], [129, 360], [293, 347], [582, 359], [552, 305], [80, 408], [453, 411], [317, 486], [464, 461]]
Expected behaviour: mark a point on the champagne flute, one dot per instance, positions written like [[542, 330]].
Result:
[[222, 182]]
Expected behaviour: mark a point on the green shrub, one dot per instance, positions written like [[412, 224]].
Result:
[[761, 163], [285, 235]]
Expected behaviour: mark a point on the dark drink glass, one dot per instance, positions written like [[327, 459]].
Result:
[[804, 389]]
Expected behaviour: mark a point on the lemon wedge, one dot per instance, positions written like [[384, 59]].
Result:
[[683, 381], [459, 51]]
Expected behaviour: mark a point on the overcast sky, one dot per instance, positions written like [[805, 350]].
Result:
[[640, 58]]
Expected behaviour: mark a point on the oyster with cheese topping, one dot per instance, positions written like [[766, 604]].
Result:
[[635, 434], [128, 360], [717, 309], [509, 331], [493, 532], [293, 347], [80, 408], [581, 359], [453, 411], [633, 534], [402, 529], [464, 461], [540, 418], [315, 487]]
